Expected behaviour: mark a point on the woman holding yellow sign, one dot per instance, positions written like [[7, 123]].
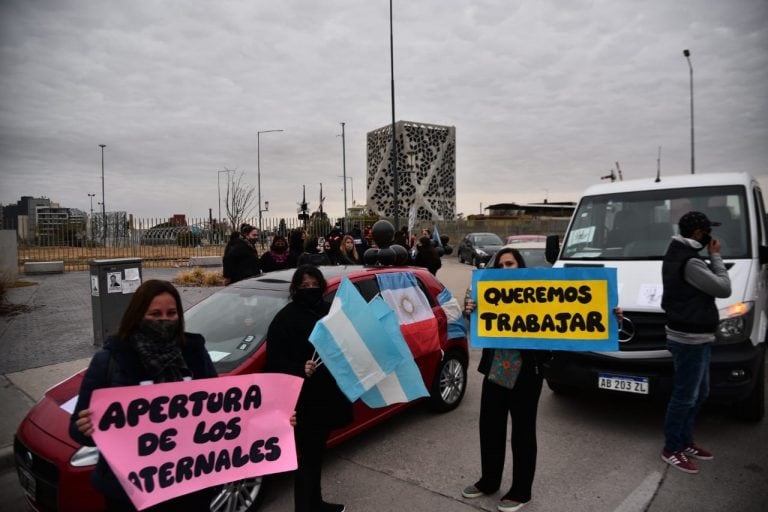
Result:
[[511, 387]]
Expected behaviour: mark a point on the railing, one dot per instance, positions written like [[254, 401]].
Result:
[[163, 243]]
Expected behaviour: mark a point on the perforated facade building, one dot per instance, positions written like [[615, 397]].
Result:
[[426, 164]]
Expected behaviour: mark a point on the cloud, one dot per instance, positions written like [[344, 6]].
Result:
[[546, 97]]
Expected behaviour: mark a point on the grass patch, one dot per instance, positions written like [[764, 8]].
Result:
[[199, 277], [8, 308]]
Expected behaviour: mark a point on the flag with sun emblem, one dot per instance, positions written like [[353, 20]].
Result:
[[418, 324]]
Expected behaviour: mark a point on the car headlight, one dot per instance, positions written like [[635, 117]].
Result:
[[85, 456], [482, 253], [736, 323]]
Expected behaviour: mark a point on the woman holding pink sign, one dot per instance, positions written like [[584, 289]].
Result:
[[149, 347]]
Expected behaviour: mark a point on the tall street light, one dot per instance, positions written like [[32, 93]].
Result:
[[103, 207], [258, 169], [90, 219], [351, 186], [344, 172], [687, 55], [395, 177]]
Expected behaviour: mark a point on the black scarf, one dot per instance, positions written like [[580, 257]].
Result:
[[159, 348]]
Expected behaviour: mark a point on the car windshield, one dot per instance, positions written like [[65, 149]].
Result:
[[534, 258], [234, 323], [638, 225], [488, 239]]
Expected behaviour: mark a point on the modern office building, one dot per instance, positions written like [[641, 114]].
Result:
[[426, 168]]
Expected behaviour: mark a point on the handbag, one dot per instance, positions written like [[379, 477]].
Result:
[[505, 367]]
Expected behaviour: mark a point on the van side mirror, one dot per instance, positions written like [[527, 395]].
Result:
[[552, 249], [762, 254]]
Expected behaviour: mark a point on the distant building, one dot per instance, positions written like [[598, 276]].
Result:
[[22, 216], [426, 166], [546, 209], [55, 225]]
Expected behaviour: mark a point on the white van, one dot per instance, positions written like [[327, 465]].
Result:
[[627, 225]]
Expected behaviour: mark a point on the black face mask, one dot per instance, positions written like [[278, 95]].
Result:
[[163, 331], [308, 296]]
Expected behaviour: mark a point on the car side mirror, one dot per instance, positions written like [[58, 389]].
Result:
[[552, 249]]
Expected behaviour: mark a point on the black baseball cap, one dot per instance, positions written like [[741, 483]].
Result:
[[692, 221]]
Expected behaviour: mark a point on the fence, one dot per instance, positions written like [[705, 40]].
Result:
[[167, 243]]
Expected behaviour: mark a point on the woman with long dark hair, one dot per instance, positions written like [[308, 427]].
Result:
[[511, 388], [322, 407], [150, 345]]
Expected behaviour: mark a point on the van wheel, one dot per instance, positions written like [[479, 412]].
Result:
[[558, 388], [752, 408], [450, 383], [241, 496]]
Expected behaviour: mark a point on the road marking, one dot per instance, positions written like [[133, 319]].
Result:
[[638, 500]]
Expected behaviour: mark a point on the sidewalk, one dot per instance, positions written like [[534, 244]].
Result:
[[54, 340]]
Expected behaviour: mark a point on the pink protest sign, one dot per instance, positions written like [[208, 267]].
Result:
[[166, 440]]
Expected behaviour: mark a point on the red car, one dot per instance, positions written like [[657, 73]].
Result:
[[55, 471]]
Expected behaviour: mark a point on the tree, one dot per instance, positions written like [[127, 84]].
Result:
[[239, 199]]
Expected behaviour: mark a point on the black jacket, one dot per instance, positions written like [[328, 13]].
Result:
[[126, 370], [240, 261], [268, 263], [688, 309], [321, 402]]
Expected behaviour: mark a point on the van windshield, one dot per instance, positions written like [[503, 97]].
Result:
[[639, 225]]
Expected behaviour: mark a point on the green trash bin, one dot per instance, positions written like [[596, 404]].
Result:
[[113, 283]]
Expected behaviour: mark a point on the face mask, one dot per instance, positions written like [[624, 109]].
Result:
[[308, 296], [162, 330], [279, 249]]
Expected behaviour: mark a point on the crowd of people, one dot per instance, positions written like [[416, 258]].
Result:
[[242, 260]]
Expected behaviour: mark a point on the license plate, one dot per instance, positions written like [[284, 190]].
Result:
[[28, 482], [624, 383]]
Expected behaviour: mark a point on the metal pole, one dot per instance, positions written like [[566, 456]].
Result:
[[91, 196], [218, 189], [687, 54], [103, 206], [344, 172], [396, 185], [258, 170]]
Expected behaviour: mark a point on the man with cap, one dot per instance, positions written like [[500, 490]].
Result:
[[690, 288]]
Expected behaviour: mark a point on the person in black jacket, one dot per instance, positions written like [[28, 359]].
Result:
[[497, 403], [241, 259], [312, 254], [150, 345], [278, 257], [426, 256], [690, 288], [322, 406]]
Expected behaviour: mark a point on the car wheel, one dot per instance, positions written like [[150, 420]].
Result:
[[241, 496], [450, 383], [752, 408]]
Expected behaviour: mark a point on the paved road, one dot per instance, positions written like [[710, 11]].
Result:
[[596, 453]]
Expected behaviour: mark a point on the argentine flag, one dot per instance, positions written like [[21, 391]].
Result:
[[353, 344], [417, 320], [456, 326]]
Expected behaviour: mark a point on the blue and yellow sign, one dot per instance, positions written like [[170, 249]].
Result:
[[548, 309]]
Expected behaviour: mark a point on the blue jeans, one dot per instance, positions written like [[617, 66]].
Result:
[[690, 389]]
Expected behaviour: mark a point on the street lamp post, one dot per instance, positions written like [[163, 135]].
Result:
[[103, 207], [687, 55], [90, 219], [351, 187], [258, 169], [393, 163], [344, 172]]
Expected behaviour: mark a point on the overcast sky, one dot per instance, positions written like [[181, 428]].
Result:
[[546, 96]]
